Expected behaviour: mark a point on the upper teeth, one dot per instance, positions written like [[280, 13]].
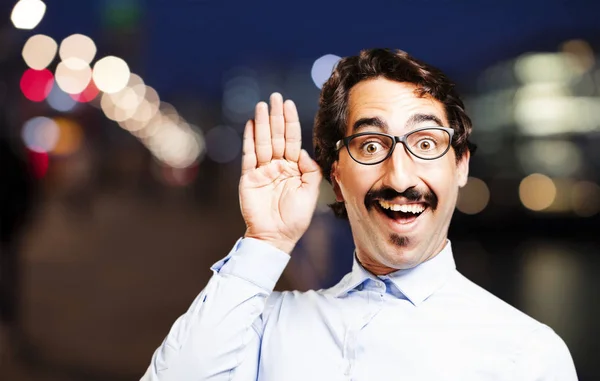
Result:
[[406, 208]]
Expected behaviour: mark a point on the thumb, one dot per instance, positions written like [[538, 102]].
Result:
[[311, 172]]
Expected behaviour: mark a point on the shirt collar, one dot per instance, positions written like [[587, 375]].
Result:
[[417, 283]]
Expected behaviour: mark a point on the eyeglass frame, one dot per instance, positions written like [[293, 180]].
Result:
[[395, 139]]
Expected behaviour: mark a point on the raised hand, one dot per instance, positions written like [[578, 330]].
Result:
[[280, 182]]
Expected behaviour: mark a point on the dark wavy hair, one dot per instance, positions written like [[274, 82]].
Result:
[[395, 65]]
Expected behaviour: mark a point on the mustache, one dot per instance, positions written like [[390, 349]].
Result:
[[411, 194]]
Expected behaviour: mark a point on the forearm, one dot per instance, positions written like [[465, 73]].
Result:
[[222, 327]]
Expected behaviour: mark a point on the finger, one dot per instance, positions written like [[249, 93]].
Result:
[[311, 172], [277, 126], [293, 136], [248, 153], [262, 134]]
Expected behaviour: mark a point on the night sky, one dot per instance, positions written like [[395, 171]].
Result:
[[187, 44]]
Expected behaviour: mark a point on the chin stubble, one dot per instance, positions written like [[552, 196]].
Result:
[[399, 240]]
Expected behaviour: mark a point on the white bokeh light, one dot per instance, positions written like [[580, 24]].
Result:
[[175, 145], [78, 46], [27, 14], [111, 74], [39, 51], [322, 69], [73, 75]]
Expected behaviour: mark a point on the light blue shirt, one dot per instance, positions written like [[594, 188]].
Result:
[[426, 323]]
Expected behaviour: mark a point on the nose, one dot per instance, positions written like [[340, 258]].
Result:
[[400, 170]]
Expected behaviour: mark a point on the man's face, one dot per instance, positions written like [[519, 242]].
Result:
[[387, 241]]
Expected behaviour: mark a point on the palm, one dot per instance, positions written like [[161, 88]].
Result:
[[279, 183], [273, 199]]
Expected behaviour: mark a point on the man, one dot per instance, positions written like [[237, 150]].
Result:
[[392, 136]]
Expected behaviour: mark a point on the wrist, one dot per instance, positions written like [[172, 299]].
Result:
[[281, 244]]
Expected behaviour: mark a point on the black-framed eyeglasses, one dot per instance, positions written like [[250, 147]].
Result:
[[370, 148]]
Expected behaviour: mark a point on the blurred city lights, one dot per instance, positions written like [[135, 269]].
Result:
[[492, 111], [60, 101], [559, 158], [127, 101], [322, 69], [132, 125], [40, 134], [178, 176], [27, 14], [147, 129], [240, 94], [581, 52], [70, 137], [148, 107], [73, 75], [36, 84], [168, 111], [111, 74], [562, 199], [39, 51], [112, 110], [108, 106], [88, 94], [542, 94], [144, 112], [545, 67], [39, 163], [497, 77], [549, 109], [551, 280], [78, 46], [175, 145], [473, 197], [223, 144], [537, 192], [585, 198]]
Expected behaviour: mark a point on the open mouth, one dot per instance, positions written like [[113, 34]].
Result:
[[403, 213]]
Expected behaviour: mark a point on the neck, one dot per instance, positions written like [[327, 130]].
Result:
[[404, 260]]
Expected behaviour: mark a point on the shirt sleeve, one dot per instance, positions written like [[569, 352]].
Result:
[[218, 338], [545, 357]]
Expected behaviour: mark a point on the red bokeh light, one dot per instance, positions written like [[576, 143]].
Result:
[[87, 95], [36, 84], [39, 163]]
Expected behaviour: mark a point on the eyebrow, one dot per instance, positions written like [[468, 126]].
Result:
[[379, 123]]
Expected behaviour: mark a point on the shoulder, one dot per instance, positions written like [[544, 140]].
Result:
[[544, 356], [538, 353], [482, 304]]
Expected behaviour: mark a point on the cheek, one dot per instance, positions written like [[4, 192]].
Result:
[[442, 180], [355, 182]]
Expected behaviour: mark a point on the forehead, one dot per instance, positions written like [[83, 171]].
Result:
[[393, 101]]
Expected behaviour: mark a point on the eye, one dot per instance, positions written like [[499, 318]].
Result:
[[426, 144], [371, 148]]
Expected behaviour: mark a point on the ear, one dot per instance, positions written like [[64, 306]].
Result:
[[463, 169], [334, 182]]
